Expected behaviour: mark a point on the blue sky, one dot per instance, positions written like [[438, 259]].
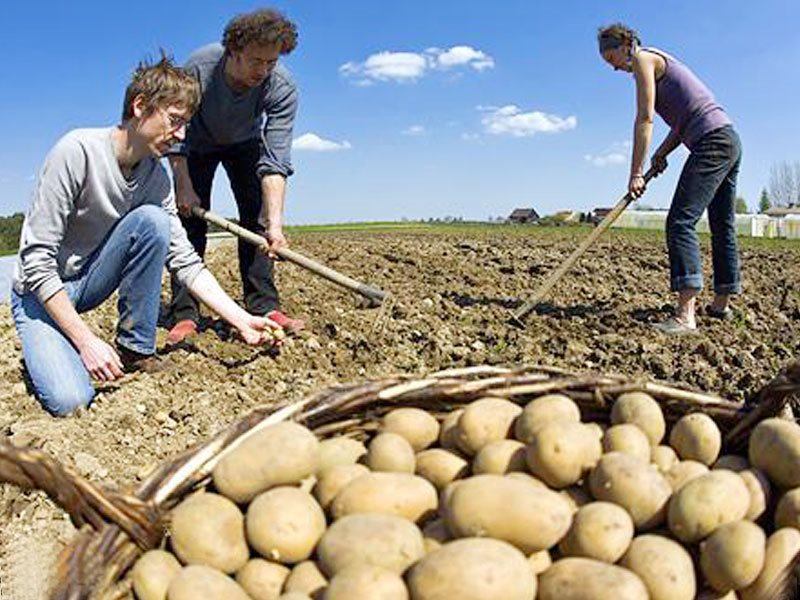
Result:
[[428, 109]]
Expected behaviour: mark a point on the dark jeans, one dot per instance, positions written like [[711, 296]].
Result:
[[255, 268], [708, 181]]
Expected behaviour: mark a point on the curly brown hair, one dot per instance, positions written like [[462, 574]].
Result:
[[161, 84], [619, 31], [264, 27]]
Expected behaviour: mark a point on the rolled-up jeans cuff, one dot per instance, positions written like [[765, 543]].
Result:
[[728, 289], [687, 282]]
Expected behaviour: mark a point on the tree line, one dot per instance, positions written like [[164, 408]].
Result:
[[10, 228]]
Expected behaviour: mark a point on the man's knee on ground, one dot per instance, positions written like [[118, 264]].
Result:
[[66, 401]]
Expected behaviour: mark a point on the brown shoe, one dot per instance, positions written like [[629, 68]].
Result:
[[133, 361]]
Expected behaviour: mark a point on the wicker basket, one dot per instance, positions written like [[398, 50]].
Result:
[[115, 529]]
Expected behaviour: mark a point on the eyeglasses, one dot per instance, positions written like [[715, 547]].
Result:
[[175, 121]]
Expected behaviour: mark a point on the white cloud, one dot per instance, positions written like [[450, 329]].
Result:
[[510, 120], [616, 154], [313, 143], [408, 67], [415, 131]]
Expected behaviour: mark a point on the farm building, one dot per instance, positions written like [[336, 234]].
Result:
[[524, 215]]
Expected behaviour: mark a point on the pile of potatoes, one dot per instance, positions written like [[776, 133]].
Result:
[[494, 501]]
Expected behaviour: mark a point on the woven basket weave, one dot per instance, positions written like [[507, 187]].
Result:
[[115, 528]]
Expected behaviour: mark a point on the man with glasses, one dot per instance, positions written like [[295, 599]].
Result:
[[102, 219], [244, 122]]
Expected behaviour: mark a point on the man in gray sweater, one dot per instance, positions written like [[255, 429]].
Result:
[[244, 122], [103, 218]]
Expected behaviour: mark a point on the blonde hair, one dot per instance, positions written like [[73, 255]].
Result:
[[161, 84]]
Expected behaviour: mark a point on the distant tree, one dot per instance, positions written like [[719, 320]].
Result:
[[10, 228], [764, 203], [741, 206], [784, 183]]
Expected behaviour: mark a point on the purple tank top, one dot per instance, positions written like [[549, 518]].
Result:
[[685, 103]]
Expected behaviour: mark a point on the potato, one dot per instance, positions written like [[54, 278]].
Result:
[[664, 458], [306, 578], [733, 556], [199, 581], [281, 454], [483, 421], [663, 565], [775, 449], [500, 457], [587, 579], [440, 467], [627, 438], [473, 569], [366, 582], [448, 434], [640, 409], [560, 452], [284, 524], [708, 594], [759, 488], [706, 503], [262, 579], [418, 427], [339, 450], [527, 478], [399, 494], [787, 513], [208, 529], [696, 437], [390, 453], [517, 512], [540, 561], [576, 496], [542, 411], [683, 472], [600, 530], [381, 540], [435, 534], [295, 596], [731, 462], [633, 484], [782, 546], [333, 479], [152, 574]]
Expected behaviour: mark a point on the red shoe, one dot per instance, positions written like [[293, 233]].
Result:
[[181, 330], [291, 326]]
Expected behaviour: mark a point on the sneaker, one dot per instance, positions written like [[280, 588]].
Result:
[[716, 313], [133, 361], [675, 327], [180, 331], [291, 326]]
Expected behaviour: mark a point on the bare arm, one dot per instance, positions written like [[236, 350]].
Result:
[[273, 194], [644, 73], [254, 330], [99, 358]]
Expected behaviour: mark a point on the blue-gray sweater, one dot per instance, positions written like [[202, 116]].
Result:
[[265, 113]]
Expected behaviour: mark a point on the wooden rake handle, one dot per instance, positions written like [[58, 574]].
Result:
[[374, 295], [518, 317]]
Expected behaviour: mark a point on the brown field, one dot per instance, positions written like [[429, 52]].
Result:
[[452, 289]]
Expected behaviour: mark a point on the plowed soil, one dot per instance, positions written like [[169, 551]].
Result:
[[451, 290]]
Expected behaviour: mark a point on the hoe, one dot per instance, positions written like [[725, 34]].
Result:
[[518, 317]]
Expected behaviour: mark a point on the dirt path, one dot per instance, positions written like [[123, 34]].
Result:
[[451, 293]]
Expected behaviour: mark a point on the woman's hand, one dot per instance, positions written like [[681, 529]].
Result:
[[658, 164], [636, 185]]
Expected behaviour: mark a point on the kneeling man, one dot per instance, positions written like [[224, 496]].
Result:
[[103, 218]]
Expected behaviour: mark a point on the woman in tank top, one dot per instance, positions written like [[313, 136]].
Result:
[[666, 87]]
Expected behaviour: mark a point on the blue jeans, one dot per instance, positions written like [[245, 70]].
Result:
[[708, 181], [131, 259]]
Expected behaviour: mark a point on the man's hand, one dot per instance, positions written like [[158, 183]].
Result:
[[185, 199], [260, 331], [276, 241], [636, 185], [658, 163], [101, 360]]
